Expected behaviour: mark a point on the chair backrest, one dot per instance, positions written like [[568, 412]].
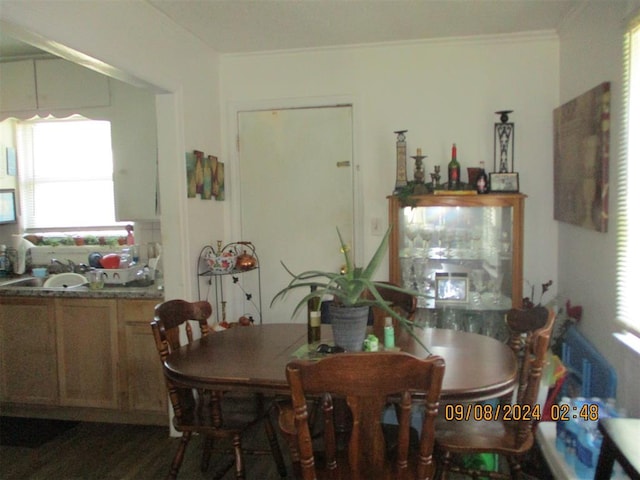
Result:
[[401, 302], [367, 381], [166, 332], [168, 318], [530, 332]]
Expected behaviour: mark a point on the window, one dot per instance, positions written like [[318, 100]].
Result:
[[66, 174], [628, 239]]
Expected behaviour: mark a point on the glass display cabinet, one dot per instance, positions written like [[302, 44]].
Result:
[[464, 252]]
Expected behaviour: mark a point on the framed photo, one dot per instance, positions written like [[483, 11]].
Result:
[[504, 182], [452, 287], [8, 206]]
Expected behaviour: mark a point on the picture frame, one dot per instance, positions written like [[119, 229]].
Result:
[[8, 212], [504, 182], [452, 287], [581, 138]]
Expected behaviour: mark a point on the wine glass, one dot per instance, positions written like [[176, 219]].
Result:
[[496, 287], [426, 233], [477, 279], [412, 232]]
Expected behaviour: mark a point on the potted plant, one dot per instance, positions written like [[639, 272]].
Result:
[[353, 292]]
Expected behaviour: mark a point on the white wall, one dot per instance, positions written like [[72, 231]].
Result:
[[441, 92], [591, 53], [135, 42]]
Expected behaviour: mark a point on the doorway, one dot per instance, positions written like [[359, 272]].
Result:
[[296, 186]]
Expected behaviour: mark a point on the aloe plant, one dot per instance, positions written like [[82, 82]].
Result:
[[347, 288]]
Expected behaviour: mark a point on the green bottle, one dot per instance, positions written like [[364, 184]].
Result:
[[454, 170]]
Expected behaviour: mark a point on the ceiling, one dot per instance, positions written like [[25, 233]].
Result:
[[237, 26]]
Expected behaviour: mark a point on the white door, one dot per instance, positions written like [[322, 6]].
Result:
[[296, 179]]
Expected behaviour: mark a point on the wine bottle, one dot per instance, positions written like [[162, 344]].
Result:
[[454, 169], [313, 318], [482, 182]]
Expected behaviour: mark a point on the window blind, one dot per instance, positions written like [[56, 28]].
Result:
[[66, 174], [628, 228]]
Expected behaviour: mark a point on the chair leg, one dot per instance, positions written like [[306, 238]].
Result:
[[274, 446], [237, 447], [207, 447], [514, 467], [444, 466], [179, 456]]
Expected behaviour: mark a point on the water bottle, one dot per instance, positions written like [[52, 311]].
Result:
[[561, 427]]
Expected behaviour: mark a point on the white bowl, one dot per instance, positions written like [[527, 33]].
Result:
[[65, 280]]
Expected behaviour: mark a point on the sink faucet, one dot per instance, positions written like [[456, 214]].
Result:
[[57, 266]]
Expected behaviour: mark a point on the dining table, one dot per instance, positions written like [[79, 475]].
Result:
[[254, 358]]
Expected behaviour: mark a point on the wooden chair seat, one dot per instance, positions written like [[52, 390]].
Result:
[[473, 436]]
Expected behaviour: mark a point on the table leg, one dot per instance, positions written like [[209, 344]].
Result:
[[607, 457]]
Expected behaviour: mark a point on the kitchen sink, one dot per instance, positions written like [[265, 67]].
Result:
[[65, 280], [25, 282], [59, 281]]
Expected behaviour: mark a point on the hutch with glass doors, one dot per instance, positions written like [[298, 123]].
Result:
[[464, 252]]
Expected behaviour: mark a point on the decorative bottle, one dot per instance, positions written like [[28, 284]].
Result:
[[454, 169], [482, 182], [313, 318]]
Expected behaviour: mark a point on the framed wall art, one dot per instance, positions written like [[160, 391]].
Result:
[[581, 159], [8, 206]]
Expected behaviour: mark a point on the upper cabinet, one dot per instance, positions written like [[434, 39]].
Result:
[[63, 84], [18, 82], [46, 84]]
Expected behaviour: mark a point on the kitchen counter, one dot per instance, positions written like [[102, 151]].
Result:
[[109, 291]]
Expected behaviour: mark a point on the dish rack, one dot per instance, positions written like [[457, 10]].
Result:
[[120, 276]]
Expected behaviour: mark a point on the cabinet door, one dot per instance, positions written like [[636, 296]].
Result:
[[63, 84], [18, 86], [142, 372], [28, 371], [87, 337]]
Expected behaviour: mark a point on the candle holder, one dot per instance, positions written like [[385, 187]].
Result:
[[503, 143], [435, 176], [401, 160], [418, 174]]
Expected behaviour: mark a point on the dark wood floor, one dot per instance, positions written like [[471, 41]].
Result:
[[99, 451]]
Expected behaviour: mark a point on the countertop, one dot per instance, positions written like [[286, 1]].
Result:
[[109, 291]]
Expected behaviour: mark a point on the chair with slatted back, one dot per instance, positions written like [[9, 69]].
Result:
[[511, 437], [200, 411], [366, 381], [401, 302]]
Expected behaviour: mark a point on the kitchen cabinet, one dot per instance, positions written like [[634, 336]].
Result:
[[64, 84], [48, 84], [18, 81], [28, 366], [90, 359], [142, 375], [463, 252], [87, 338]]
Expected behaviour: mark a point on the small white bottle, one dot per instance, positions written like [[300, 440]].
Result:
[[389, 334]]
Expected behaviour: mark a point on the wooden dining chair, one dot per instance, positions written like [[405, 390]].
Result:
[[366, 381], [511, 433], [402, 302], [197, 410]]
